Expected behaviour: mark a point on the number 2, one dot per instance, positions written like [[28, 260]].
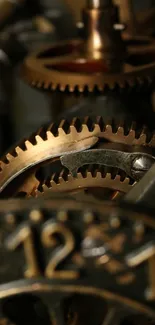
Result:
[[47, 238]]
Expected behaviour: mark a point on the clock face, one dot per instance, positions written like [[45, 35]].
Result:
[[55, 251]]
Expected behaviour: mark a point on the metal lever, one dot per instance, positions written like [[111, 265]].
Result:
[[134, 164]]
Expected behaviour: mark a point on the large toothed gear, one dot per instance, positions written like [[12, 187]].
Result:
[[99, 63], [70, 73], [48, 144]]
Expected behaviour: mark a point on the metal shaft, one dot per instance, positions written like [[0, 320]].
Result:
[[102, 42], [127, 15], [144, 191], [97, 4]]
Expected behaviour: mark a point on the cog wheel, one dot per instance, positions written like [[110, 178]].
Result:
[[97, 181], [71, 73], [49, 143], [99, 63]]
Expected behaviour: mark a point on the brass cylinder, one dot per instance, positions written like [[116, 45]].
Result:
[[102, 41], [127, 16], [98, 4]]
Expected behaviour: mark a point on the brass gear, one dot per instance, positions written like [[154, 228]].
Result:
[[99, 178], [99, 63], [69, 73], [50, 143]]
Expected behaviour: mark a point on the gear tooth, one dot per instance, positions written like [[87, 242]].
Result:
[[98, 175], [120, 131], [61, 88], [9, 157], [52, 184], [28, 144], [131, 136], [79, 175], [73, 131], [33, 83], [18, 150], [89, 174], [142, 139], [53, 86], [108, 176], [118, 177], [126, 181], [61, 132], [49, 135], [70, 177], [61, 180], [46, 85], [45, 188], [38, 138], [144, 130], [108, 128], [72, 89], [85, 128], [97, 128]]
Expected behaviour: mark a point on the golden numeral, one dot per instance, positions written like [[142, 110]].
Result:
[[24, 236], [48, 240]]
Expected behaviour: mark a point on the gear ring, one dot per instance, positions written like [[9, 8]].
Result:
[[61, 73], [100, 62], [87, 179]]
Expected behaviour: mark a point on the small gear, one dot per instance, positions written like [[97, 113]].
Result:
[[48, 144], [95, 180], [99, 63]]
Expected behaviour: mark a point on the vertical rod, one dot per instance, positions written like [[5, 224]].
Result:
[[127, 15]]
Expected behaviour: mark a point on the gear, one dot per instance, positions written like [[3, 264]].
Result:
[[91, 179], [99, 63], [57, 139], [72, 74]]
